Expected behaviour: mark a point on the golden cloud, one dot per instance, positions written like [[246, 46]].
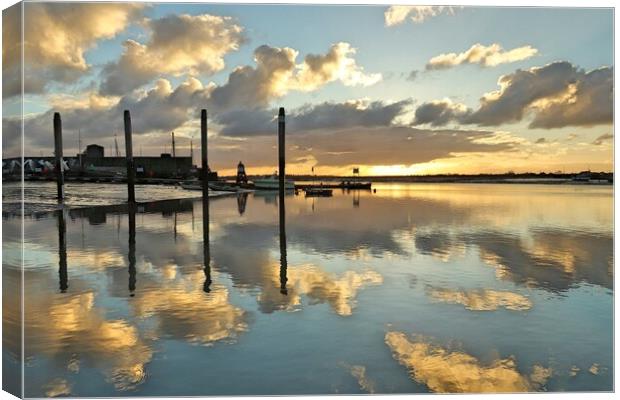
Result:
[[178, 45], [56, 38], [487, 56]]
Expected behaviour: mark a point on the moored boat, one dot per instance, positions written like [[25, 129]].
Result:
[[272, 183]]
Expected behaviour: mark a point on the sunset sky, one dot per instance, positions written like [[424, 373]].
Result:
[[393, 90]]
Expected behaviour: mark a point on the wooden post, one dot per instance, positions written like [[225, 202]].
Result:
[[281, 206], [204, 154], [131, 170], [281, 149], [205, 200], [60, 175]]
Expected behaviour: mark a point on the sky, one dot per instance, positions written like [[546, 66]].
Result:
[[393, 90]]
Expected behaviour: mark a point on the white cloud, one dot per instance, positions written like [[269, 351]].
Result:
[[56, 37], [396, 15], [555, 95], [486, 56], [277, 73], [178, 45]]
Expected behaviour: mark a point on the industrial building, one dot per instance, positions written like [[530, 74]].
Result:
[[93, 162]]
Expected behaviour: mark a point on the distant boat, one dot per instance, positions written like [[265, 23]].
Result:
[[273, 183]]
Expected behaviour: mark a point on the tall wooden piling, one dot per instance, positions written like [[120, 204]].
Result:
[[281, 205], [281, 150], [204, 154], [60, 174], [131, 170]]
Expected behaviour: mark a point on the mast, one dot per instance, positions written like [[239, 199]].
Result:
[[116, 146]]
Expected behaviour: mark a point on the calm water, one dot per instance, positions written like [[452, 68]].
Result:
[[414, 288]]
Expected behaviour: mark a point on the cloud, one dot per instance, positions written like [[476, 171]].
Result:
[[586, 102], [158, 109], [396, 15], [178, 45], [556, 95], [327, 115], [391, 145], [486, 56], [276, 73], [56, 38], [336, 64], [413, 75], [252, 87], [440, 112], [541, 140], [446, 371], [603, 138]]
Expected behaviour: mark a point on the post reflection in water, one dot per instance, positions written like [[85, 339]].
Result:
[[132, 249], [205, 244], [62, 252], [283, 263]]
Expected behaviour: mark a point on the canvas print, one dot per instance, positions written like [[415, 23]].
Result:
[[211, 199]]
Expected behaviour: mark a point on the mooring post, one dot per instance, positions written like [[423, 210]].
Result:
[[60, 175], [131, 171], [281, 150], [281, 206], [204, 154], [205, 200]]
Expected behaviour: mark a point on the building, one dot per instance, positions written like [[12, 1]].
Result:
[[164, 166], [92, 162]]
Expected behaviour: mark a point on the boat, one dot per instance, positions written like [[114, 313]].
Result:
[[273, 183], [318, 192], [192, 185]]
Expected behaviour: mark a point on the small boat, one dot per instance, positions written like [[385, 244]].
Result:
[[193, 185], [273, 183], [318, 192]]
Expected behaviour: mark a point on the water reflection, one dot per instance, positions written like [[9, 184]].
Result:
[[453, 371], [242, 199], [283, 262], [131, 256], [62, 252], [206, 287], [321, 276]]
